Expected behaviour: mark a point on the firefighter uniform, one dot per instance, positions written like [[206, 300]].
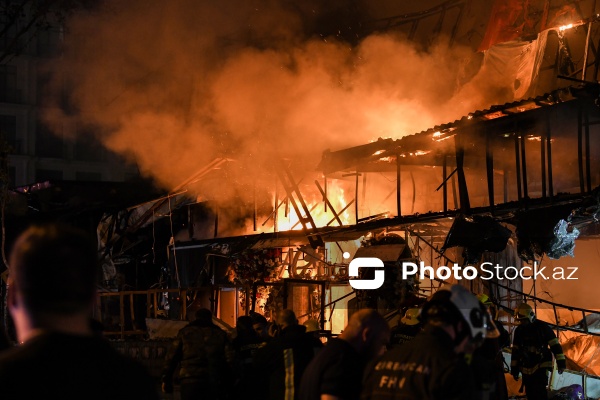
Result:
[[428, 369], [432, 365], [534, 342], [205, 354], [407, 329]]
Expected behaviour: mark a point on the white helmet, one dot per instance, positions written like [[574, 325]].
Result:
[[455, 303]]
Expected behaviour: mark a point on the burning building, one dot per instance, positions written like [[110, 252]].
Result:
[[264, 224]]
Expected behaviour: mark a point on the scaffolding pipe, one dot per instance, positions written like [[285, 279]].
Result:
[[587, 48]]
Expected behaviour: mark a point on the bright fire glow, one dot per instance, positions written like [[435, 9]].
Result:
[[565, 27], [316, 205]]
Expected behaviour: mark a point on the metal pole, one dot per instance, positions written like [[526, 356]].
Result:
[[489, 163], [325, 194], [445, 187], [275, 209], [524, 168], [398, 186], [549, 153], [543, 163], [588, 172], [580, 148], [356, 198], [518, 166], [587, 47]]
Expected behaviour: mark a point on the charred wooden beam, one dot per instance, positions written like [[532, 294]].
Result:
[[524, 168], [445, 187], [489, 164], [285, 176], [463, 193], [328, 203]]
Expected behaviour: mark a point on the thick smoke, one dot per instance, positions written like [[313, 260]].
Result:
[[174, 85]]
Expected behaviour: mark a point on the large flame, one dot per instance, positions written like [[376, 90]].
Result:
[[321, 214]]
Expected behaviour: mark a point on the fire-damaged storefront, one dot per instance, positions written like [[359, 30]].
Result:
[[508, 186], [512, 187]]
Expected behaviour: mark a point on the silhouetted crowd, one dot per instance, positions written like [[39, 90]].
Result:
[[448, 348]]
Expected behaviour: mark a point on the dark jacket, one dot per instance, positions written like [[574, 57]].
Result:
[[284, 359], [426, 369], [533, 345], [204, 352]]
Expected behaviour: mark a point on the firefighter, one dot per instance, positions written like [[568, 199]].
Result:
[[488, 361], [433, 367], [408, 327], [532, 348]]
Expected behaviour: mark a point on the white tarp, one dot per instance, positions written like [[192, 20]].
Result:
[[517, 62]]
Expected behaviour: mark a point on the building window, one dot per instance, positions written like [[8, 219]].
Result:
[[47, 143], [8, 84], [8, 132], [42, 175]]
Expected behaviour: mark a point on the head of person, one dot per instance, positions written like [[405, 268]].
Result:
[[203, 316], [487, 303], [244, 327], [52, 282], [260, 324], [524, 314], [368, 332], [459, 313], [411, 316], [286, 318]]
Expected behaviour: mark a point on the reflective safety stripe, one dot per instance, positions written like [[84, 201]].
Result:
[[560, 356], [288, 361], [552, 342], [529, 371]]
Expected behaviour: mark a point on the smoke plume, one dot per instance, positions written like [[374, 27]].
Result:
[[173, 85]]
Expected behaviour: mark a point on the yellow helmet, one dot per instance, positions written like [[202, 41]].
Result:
[[312, 325], [484, 299], [524, 312], [411, 316]]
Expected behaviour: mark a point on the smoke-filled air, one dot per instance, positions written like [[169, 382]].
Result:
[[175, 84]]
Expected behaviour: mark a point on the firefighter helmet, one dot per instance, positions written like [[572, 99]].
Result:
[[524, 312], [312, 325], [455, 303], [411, 316], [484, 299]]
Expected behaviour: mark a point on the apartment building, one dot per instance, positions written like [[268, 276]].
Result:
[[35, 152]]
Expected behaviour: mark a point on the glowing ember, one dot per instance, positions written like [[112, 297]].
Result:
[[565, 27]]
